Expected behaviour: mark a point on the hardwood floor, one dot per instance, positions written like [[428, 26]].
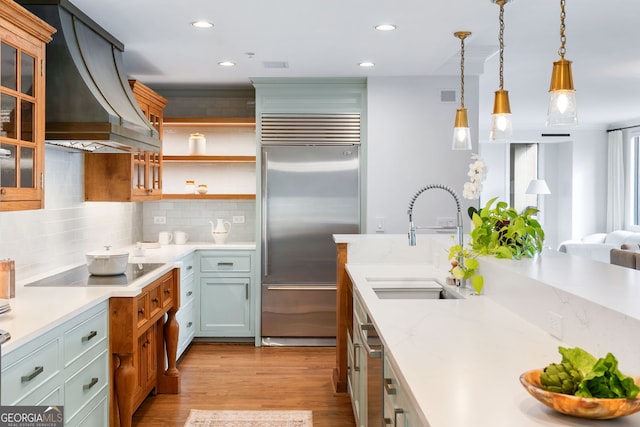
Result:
[[244, 377]]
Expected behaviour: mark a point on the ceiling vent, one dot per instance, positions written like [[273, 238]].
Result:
[[275, 64], [447, 96]]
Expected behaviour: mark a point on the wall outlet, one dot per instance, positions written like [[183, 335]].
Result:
[[238, 219], [159, 219], [555, 324], [379, 224], [445, 221]]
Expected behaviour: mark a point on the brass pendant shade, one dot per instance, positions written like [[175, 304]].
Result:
[[501, 118], [501, 102], [461, 132], [562, 94]]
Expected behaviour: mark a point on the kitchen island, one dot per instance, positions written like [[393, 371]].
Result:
[[460, 359]]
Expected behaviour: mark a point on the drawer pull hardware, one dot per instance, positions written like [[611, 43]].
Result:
[[141, 311], [37, 371], [387, 421], [389, 386], [225, 264], [356, 357], [155, 300], [189, 267], [189, 293], [93, 382], [189, 324], [167, 291], [89, 336]]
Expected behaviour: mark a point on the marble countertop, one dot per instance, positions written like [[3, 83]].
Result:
[[462, 358], [38, 309]]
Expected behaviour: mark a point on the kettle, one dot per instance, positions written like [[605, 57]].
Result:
[[220, 230]]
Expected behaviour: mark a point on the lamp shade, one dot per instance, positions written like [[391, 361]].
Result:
[[538, 186]]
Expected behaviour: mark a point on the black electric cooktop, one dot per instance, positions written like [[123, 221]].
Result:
[[79, 276]]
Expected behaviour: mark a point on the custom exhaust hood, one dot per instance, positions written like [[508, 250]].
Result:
[[89, 104]]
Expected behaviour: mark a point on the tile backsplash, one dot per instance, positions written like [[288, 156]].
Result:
[[193, 216], [67, 228]]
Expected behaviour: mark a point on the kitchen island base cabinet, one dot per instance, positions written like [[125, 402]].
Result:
[[226, 303], [144, 340], [67, 366], [185, 316]]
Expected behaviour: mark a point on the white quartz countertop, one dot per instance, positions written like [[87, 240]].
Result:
[[38, 309], [462, 358]]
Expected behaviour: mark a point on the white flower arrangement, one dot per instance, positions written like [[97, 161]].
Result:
[[477, 173]]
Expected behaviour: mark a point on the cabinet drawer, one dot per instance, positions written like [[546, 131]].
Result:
[[30, 372], [187, 268], [87, 335], [225, 263], [95, 413], [186, 320], [166, 290], [142, 309], [186, 292], [155, 300], [85, 384]]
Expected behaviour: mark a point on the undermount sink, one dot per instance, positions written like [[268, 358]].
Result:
[[410, 288]]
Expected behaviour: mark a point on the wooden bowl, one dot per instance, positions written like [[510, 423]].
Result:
[[582, 407]]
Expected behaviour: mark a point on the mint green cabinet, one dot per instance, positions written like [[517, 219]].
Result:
[[185, 315], [226, 297]]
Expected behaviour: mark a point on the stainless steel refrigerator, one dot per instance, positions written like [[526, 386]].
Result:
[[309, 193]]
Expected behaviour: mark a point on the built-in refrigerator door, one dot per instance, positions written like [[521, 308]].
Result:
[[309, 194]]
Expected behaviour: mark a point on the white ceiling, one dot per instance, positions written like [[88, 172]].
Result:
[[330, 37]]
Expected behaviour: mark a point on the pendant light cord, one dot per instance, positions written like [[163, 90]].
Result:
[[461, 72], [501, 40], [563, 38]]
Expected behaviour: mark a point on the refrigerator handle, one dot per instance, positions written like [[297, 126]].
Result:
[[265, 254]]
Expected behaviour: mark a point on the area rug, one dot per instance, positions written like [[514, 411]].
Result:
[[201, 418]]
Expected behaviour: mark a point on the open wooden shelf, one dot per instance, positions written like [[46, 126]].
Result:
[[210, 121], [208, 197], [204, 159]]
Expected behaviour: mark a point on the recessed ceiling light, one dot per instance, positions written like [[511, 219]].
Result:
[[226, 64], [386, 27], [202, 24], [367, 64]]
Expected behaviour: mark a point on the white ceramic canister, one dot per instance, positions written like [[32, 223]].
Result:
[[197, 144], [190, 186]]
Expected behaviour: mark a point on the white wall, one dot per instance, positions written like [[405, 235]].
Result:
[[67, 228], [409, 146]]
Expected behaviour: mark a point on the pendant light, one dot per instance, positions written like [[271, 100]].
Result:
[[501, 119], [562, 95], [461, 132]]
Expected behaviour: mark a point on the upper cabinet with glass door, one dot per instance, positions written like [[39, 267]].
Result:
[[23, 39]]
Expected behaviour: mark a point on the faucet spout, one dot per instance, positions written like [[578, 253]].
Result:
[[412, 226]]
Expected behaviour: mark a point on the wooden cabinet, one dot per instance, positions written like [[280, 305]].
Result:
[[128, 177], [226, 303], [227, 167], [23, 38], [144, 339], [67, 366]]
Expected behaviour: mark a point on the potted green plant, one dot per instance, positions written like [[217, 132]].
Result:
[[498, 230], [503, 232]]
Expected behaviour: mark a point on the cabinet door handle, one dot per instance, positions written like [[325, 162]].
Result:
[[396, 412], [246, 291], [356, 347], [189, 293], [89, 336], [93, 382], [36, 371], [389, 386]]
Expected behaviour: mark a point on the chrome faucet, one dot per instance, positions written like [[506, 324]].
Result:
[[413, 228]]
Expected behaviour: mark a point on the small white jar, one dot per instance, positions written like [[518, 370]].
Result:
[[189, 186], [197, 144]]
